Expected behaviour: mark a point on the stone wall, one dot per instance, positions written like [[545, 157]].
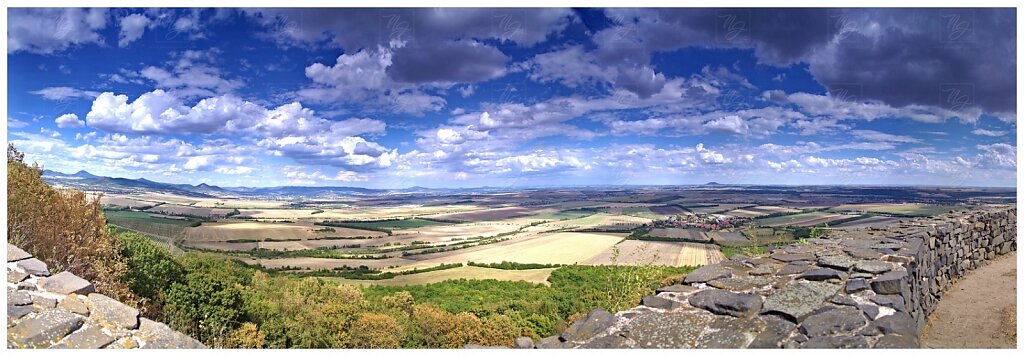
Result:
[[63, 311], [853, 289]]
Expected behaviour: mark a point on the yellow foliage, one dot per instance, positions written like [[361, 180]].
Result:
[[376, 331], [247, 336]]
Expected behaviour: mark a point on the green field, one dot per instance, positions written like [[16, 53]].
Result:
[[393, 224], [563, 215], [161, 230], [899, 209]]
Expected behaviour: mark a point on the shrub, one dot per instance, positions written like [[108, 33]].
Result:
[[151, 272], [62, 228]]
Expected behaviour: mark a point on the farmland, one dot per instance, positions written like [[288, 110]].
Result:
[[395, 234]]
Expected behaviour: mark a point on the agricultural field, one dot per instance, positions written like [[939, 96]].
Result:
[[730, 238], [698, 254], [636, 252], [667, 210], [716, 208], [443, 233], [491, 214], [556, 248], [679, 233], [240, 203], [813, 218], [183, 210], [394, 224], [125, 202], [899, 209], [562, 215], [872, 221], [238, 230]]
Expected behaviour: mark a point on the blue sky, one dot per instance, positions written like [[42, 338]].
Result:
[[393, 98]]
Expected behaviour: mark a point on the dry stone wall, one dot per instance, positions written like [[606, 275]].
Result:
[[855, 289], [64, 311]]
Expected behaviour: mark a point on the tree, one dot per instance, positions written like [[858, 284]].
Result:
[[207, 302], [151, 272], [376, 331]]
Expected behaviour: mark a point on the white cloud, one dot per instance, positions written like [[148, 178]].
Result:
[[993, 133], [61, 93], [69, 121], [47, 31], [132, 28]]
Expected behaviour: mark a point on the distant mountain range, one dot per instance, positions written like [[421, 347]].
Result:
[[87, 181]]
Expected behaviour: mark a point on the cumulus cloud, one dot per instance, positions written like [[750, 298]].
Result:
[[69, 121], [132, 28]]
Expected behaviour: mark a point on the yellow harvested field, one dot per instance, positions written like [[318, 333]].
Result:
[[171, 209], [442, 233], [492, 214], [698, 254], [165, 198], [464, 272], [744, 213], [240, 204], [125, 202], [391, 212], [277, 213], [250, 230], [635, 252], [561, 248]]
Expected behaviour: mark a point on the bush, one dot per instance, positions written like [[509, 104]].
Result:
[[62, 228], [207, 302], [151, 272]]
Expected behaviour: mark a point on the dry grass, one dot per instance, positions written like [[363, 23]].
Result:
[[560, 248], [1008, 322]]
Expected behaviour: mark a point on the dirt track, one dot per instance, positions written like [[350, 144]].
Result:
[[979, 311]]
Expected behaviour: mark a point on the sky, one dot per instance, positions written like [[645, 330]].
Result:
[[395, 98]]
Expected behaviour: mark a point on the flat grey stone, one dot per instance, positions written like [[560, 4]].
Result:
[[863, 253], [843, 299], [111, 313], [875, 267], [870, 310], [34, 267], [156, 335], [677, 288], [90, 337], [43, 302], [797, 300], [15, 276], [740, 283], [889, 283], [836, 342], [606, 342], [730, 333], [890, 300], [43, 329], [896, 341], [18, 298], [790, 257], [16, 254], [660, 303], [672, 330], [897, 323], [840, 262], [726, 303], [67, 283], [776, 328], [855, 285], [792, 269], [72, 304], [589, 326], [833, 321], [821, 274], [523, 342], [551, 342], [17, 311], [707, 273]]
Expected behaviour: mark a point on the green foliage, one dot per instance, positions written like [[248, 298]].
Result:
[[515, 266], [207, 302], [151, 271]]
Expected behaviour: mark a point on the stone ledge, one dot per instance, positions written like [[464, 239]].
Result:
[[62, 312], [871, 288]]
